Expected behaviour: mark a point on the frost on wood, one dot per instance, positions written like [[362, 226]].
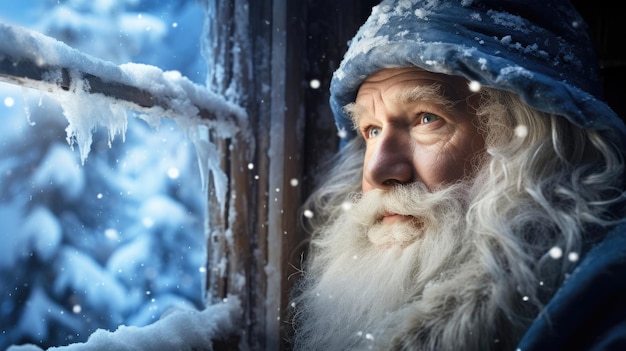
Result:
[[69, 76]]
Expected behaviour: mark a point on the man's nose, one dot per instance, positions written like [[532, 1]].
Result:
[[390, 161]]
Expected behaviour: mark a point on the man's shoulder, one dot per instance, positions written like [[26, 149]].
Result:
[[589, 311]]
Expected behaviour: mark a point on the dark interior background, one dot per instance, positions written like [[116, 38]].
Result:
[[606, 22]]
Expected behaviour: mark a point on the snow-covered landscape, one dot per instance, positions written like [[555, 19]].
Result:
[[101, 208]]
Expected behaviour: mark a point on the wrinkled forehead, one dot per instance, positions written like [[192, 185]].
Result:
[[452, 87]]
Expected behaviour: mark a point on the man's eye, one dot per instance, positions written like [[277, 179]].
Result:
[[372, 132], [428, 118]]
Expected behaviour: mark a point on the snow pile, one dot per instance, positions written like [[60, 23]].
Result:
[[177, 330]]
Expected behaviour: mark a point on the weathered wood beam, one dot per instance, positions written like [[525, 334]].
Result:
[[27, 73], [34, 60]]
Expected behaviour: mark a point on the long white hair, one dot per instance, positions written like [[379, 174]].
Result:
[[543, 193]]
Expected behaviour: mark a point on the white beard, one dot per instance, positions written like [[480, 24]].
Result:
[[416, 285]]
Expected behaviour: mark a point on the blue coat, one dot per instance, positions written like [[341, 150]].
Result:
[[589, 311]]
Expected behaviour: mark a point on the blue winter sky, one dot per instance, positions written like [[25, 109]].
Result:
[[119, 239]]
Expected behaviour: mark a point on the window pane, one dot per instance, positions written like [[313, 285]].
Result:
[[119, 239]]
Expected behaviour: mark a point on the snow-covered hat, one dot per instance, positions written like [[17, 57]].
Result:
[[540, 50]]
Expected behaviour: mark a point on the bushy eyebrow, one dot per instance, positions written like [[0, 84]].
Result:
[[433, 94]]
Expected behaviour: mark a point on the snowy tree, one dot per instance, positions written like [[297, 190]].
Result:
[[119, 239]]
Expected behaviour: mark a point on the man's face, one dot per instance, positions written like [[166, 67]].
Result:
[[418, 127], [419, 131]]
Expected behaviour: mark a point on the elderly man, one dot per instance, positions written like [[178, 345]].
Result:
[[478, 198]]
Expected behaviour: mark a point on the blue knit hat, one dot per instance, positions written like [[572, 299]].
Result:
[[540, 50]]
